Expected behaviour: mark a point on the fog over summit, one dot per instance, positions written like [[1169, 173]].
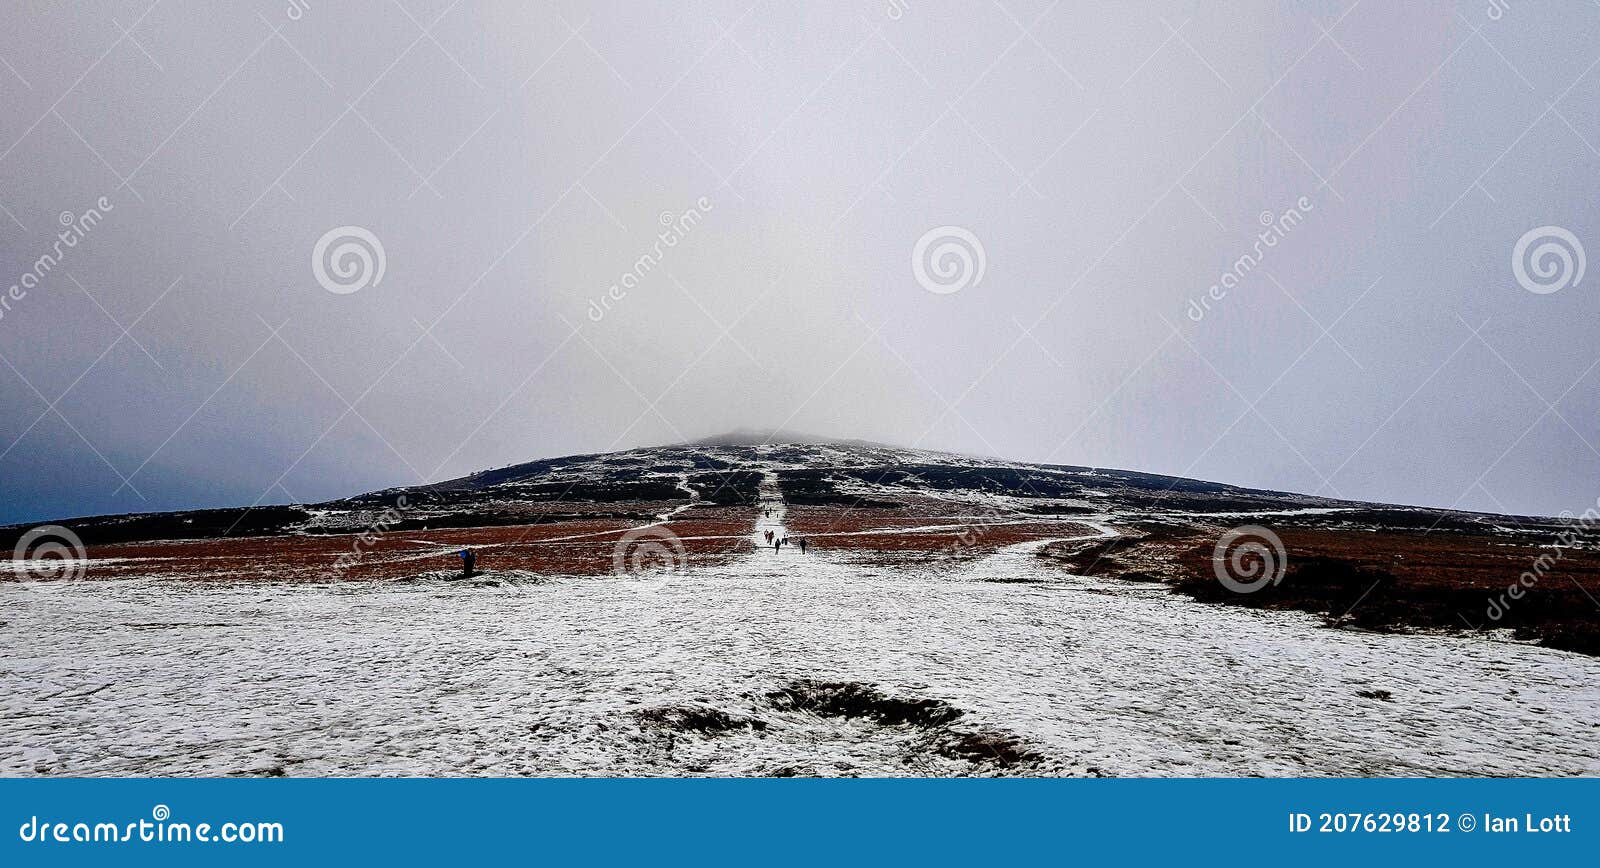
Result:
[[1330, 248]]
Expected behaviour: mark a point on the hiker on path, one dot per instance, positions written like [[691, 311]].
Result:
[[802, 542], [468, 561]]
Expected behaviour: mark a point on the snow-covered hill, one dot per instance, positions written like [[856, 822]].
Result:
[[637, 613]]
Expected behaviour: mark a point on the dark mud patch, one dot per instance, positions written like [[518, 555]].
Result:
[[1001, 749], [266, 772], [702, 719], [853, 699], [930, 720]]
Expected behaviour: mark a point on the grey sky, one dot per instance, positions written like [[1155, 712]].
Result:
[[516, 160]]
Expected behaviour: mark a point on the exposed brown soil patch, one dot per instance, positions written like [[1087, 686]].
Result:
[[586, 547], [1379, 579]]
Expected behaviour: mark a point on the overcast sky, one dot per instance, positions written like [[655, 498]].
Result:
[[755, 180]]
